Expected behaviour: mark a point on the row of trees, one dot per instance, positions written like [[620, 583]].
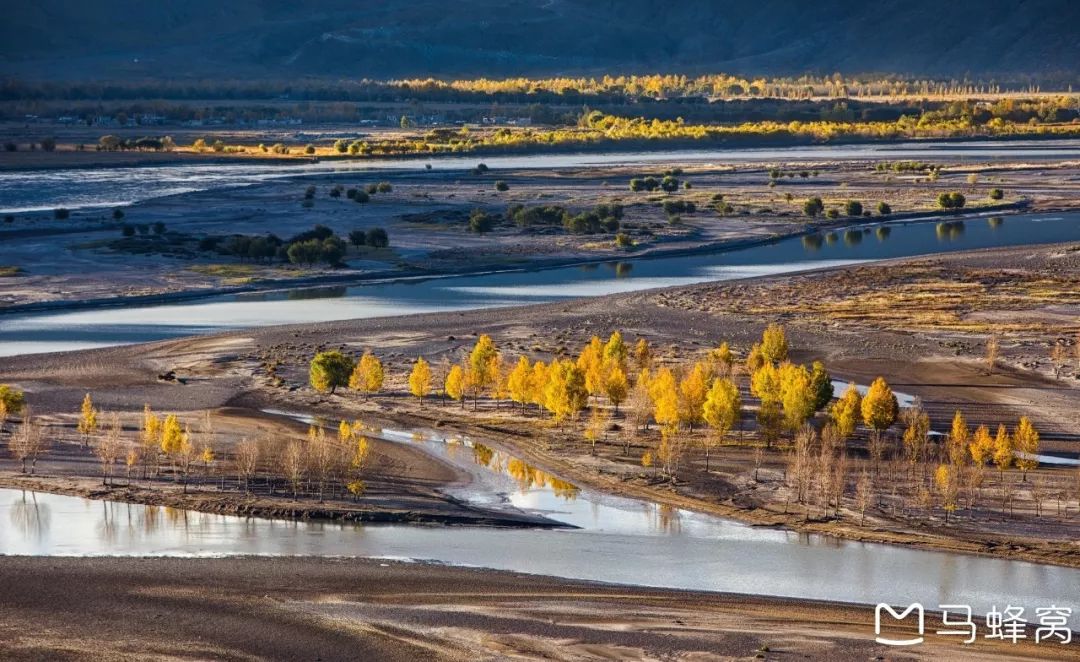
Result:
[[706, 394]]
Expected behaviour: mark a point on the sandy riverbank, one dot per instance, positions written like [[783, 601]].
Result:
[[347, 609]]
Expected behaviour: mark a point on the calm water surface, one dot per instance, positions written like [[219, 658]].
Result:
[[110, 326], [618, 540]]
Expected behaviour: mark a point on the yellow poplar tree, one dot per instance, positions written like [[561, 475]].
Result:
[[615, 349], [693, 390], [665, 395], [616, 387], [765, 383], [455, 384], [982, 446], [481, 361], [879, 407], [420, 379], [723, 358], [519, 383], [796, 395], [755, 359], [590, 362], [537, 382], [722, 410], [172, 435], [367, 377], [643, 354], [774, 344], [845, 412], [88, 419], [565, 394], [1026, 441], [959, 438], [948, 486]]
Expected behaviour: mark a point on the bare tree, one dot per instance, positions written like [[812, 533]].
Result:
[[864, 494], [247, 461], [293, 465], [109, 447], [27, 442], [992, 348]]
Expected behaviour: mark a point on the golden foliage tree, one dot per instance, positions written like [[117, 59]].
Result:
[[482, 361], [368, 375], [947, 482], [565, 394], [796, 395], [846, 411], [693, 390], [616, 387], [455, 384], [88, 419], [420, 379], [722, 410], [1026, 443], [981, 446], [774, 344], [519, 383], [879, 407], [643, 354]]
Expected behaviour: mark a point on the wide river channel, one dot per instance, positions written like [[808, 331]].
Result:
[[616, 539]]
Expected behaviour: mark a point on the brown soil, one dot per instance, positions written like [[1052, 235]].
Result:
[[338, 609]]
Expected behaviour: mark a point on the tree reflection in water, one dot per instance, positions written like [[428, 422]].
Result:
[[30, 517], [527, 476]]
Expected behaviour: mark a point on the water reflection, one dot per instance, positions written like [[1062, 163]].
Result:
[[110, 326], [995, 222], [527, 476], [29, 517], [950, 230], [329, 292]]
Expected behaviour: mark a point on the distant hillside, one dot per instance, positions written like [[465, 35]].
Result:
[[399, 38]]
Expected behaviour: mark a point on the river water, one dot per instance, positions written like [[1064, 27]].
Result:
[[617, 540], [35, 190], [44, 332]]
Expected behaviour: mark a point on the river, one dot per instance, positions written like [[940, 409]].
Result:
[[36, 190], [617, 539], [45, 332]]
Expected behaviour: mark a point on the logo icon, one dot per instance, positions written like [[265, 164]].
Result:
[[914, 607]]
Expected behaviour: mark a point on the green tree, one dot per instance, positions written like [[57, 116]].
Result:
[[329, 370], [813, 206], [853, 208]]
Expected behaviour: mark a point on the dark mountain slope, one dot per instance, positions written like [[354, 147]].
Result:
[[395, 38]]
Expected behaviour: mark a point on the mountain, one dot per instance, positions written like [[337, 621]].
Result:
[[113, 39]]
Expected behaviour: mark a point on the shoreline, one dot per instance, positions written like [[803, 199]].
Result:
[[612, 147]]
